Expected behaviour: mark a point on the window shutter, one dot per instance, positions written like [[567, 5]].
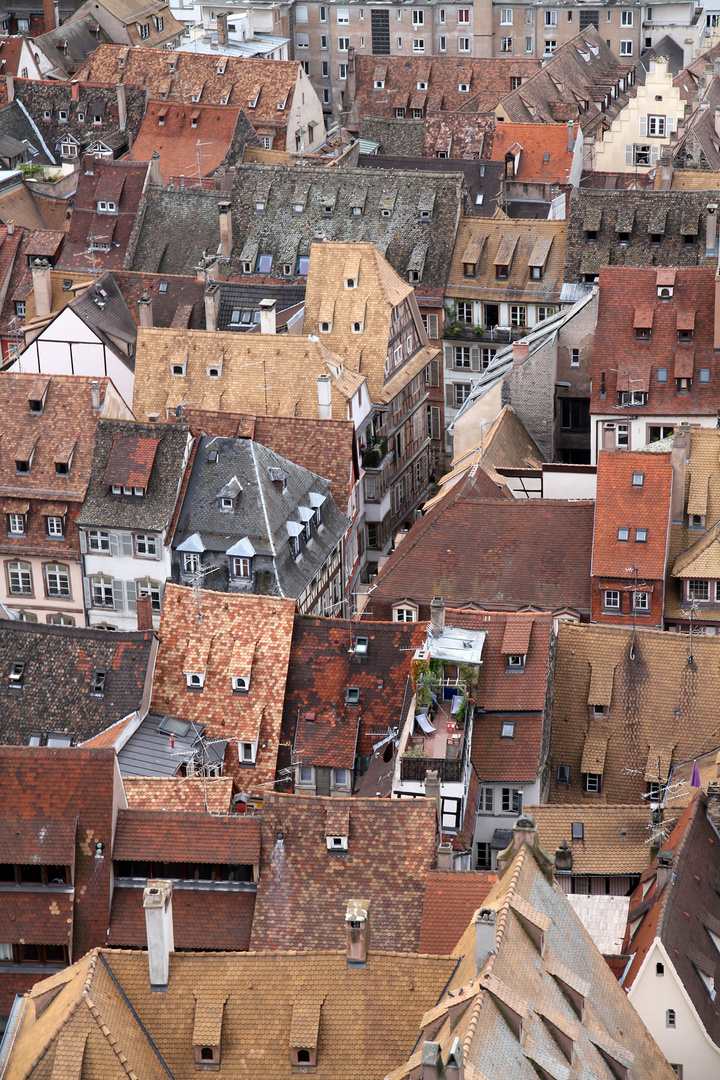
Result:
[[434, 372], [449, 400], [643, 125], [654, 154], [127, 544], [670, 124], [434, 422], [114, 544], [83, 541], [86, 591], [475, 357], [131, 595], [158, 547], [118, 594], [628, 154], [432, 326], [448, 356]]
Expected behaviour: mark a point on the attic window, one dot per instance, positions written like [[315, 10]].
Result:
[[352, 696], [385, 213], [351, 283], [227, 504], [464, 88], [163, 287], [97, 687], [361, 645], [240, 684], [178, 369], [247, 753], [623, 533], [15, 678], [356, 327], [516, 662], [507, 731], [325, 327], [665, 291], [337, 843], [379, 84], [577, 830], [195, 680], [638, 479]]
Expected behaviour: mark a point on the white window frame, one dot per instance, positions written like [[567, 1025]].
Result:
[[16, 524], [57, 580], [101, 592], [146, 545], [191, 562], [404, 614], [626, 48], [626, 18], [506, 16], [98, 541], [611, 600]]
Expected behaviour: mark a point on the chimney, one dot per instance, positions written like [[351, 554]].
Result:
[[437, 614], [157, 902], [155, 176], [444, 858], [144, 611], [564, 857], [432, 791], [222, 28], [679, 458], [571, 135], [454, 1066], [351, 84], [145, 311], [225, 212], [520, 352], [666, 168], [49, 15], [268, 321], [42, 287], [357, 932], [431, 1061], [122, 105], [10, 226], [89, 164], [75, 89], [212, 306], [324, 397], [713, 806], [711, 230], [664, 867], [524, 831], [10, 83], [95, 391], [484, 937]]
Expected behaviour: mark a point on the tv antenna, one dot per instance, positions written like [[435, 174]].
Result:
[[196, 579]]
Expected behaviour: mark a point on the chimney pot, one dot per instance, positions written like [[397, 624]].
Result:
[[157, 902], [10, 226], [324, 397], [571, 135], [357, 932], [145, 310], [144, 611], [225, 213], [520, 352], [485, 919], [437, 614], [268, 319], [42, 288], [431, 1061], [665, 866], [212, 307], [222, 28], [95, 391], [564, 857], [445, 857]]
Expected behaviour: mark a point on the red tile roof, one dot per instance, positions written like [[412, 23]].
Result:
[[176, 138], [621, 362], [40, 842], [266, 620], [87, 222], [303, 891], [330, 742], [178, 793], [449, 905], [621, 504], [37, 918], [532, 553], [514, 760], [544, 154], [131, 460], [321, 670], [203, 919], [145, 835]]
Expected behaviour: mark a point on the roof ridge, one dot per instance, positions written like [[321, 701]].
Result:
[[667, 892], [105, 1031], [501, 920], [69, 1012]]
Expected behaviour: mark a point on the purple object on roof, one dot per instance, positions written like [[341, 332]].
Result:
[[695, 778]]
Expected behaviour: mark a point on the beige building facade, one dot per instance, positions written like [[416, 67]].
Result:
[[649, 121]]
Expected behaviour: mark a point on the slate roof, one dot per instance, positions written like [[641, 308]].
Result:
[[203, 919], [614, 841], [325, 447], [621, 504], [60, 662], [321, 669], [451, 900], [129, 178], [398, 138], [482, 241], [544, 154], [261, 511], [168, 836], [265, 620], [174, 228], [175, 299], [91, 1029], [660, 706], [40, 95], [181, 793], [682, 913], [584, 69], [525, 982], [482, 179], [168, 79], [642, 214], [490, 80], [632, 364], [303, 892], [152, 511], [543, 563], [174, 130], [69, 45], [242, 296], [16, 124]]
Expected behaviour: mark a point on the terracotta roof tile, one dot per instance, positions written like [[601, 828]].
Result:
[[40, 843], [450, 901], [544, 155], [615, 838], [206, 919], [131, 460], [161, 835], [179, 793], [176, 138], [87, 222], [37, 918]]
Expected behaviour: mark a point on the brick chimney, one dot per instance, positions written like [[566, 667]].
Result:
[[89, 164], [212, 307], [664, 867], [713, 806], [222, 28], [485, 919], [357, 932], [157, 902], [42, 287], [225, 213], [49, 18], [268, 320], [679, 456], [74, 89], [520, 352], [144, 611], [145, 310], [351, 84], [437, 614], [155, 176]]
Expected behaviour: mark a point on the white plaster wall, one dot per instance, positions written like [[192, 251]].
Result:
[[306, 106], [637, 427], [625, 129]]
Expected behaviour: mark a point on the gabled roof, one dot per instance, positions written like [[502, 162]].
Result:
[[621, 503], [508, 242], [154, 509], [60, 663], [15, 124], [661, 705], [120, 181], [544, 156], [66, 47], [175, 300], [174, 129], [521, 555], [322, 667], [227, 618], [615, 839], [391, 846]]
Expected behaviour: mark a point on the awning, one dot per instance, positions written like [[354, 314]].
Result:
[[657, 768], [294, 528], [502, 838], [418, 100], [306, 514], [684, 363], [594, 751], [369, 146]]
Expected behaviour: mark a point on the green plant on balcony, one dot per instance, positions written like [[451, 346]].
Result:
[[415, 751], [478, 331]]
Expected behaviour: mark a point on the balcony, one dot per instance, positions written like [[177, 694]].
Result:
[[438, 737], [494, 335], [373, 456]]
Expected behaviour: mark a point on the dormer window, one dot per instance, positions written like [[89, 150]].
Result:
[[352, 696], [696, 521], [536, 273], [516, 662], [665, 292], [178, 369], [464, 88], [97, 686], [240, 685], [327, 209], [16, 524], [502, 271], [227, 504], [15, 677], [62, 116], [337, 843], [685, 337], [469, 269], [356, 327], [247, 753], [361, 646], [351, 283], [325, 327], [379, 84], [195, 680], [214, 372], [47, 114]]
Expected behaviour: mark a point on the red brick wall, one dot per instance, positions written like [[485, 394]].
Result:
[[653, 619]]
